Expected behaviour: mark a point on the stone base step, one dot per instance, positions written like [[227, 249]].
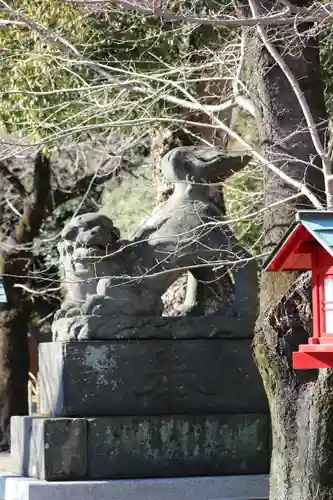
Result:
[[64, 449], [250, 487]]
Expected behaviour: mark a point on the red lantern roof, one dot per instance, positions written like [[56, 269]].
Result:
[[312, 227]]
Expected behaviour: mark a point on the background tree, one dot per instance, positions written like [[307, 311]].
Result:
[[273, 63], [299, 401]]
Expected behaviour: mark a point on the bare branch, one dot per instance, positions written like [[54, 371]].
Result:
[[312, 126], [274, 20], [79, 188]]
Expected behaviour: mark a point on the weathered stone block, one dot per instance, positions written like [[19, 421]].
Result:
[[50, 449], [175, 446], [245, 487], [149, 377]]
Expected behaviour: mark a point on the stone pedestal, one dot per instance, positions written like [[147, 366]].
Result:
[[147, 408], [149, 377]]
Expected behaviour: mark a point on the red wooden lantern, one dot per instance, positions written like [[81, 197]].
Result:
[[309, 245]]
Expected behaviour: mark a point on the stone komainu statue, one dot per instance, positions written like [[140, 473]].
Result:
[[113, 284]]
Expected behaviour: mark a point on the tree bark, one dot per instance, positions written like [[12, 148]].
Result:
[[300, 402], [15, 256]]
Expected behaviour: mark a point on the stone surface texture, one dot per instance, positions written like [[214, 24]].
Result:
[[176, 446], [50, 449], [140, 447], [254, 487], [149, 377]]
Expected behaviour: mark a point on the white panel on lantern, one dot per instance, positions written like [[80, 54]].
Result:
[[328, 290]]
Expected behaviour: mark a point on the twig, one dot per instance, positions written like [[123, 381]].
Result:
[[327, 169], [35, 292], [276, 19]]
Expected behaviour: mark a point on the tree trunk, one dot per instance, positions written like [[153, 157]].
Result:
[[15, 256], [300, 402]]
